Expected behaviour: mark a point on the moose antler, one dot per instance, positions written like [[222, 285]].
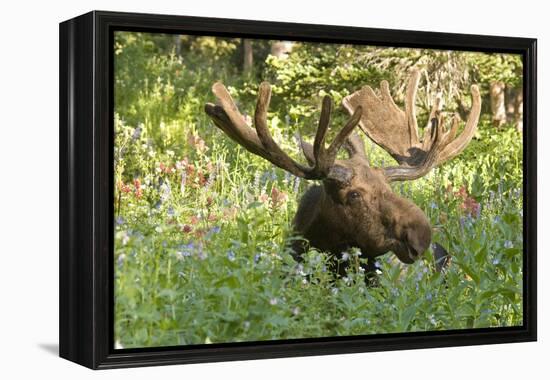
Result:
[[259, 141], [396, 131]]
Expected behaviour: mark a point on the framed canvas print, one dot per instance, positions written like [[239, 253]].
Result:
[[236, 189]]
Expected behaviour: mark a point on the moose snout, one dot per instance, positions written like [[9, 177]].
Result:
[[417, 239]]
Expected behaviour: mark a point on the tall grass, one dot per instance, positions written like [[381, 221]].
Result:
[[203, 227]]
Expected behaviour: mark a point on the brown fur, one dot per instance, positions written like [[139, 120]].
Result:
[[363, 213]]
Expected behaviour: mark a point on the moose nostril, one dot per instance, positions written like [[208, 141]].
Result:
[[418, 240], [413, 252]]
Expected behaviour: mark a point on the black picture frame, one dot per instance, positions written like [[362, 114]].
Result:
[[86, 189]]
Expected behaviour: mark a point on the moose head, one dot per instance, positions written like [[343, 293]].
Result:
[[355, 206]]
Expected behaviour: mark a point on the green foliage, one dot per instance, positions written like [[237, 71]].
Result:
[[202, 226], [494, 67]]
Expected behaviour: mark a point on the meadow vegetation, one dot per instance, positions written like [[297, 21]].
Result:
[[202, 227]]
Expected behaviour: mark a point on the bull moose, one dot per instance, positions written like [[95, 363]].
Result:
[[354, 206]]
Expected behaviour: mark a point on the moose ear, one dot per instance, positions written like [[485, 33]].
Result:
[[355, 146], [307, 148], [340, 174]]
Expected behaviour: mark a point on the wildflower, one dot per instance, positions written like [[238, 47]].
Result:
[[345, 256], [186, 228], [210, 181], [231, 255], [257, 257], [273, 301], [165, 169], [201, 254], [300, 270], [278, 197], [121, 259], [124, 187], [377, 264], [215, 229], [429, 296], [189, 169], [256, 183], [197, 142], [246, 325], [125, 237], [182, 164], [137, 185], [185, 250], [170, 211], [432, 319], [165, 191], [296, 311], [183, 181], [496, 261], [508, 244], [296, 185], [119, 220], [462, 192], [286, 179], [200, 232], [137, 133], [471, 207], [201, 179], [334, 291]]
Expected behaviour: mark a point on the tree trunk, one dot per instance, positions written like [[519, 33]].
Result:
[[177, 44], [497, 103], [248, 55], [281, 49], [514, 107], [518, 110]]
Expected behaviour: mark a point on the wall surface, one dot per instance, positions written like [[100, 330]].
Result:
[[29, 188]]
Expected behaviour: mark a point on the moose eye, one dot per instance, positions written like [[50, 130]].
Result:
[[353, 195]]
